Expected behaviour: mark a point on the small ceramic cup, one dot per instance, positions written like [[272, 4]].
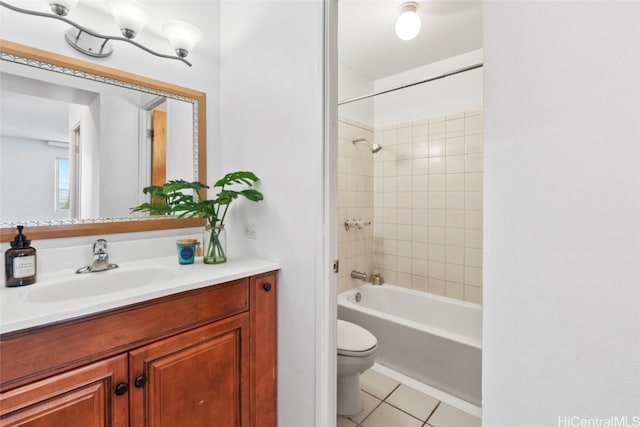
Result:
[[186, 250]]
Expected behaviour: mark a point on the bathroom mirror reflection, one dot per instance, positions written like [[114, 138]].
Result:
[[84, 140]]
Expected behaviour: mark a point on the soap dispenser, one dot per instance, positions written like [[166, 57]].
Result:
[[20, 262]]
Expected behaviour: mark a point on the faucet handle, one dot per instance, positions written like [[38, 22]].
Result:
[[100, 247]]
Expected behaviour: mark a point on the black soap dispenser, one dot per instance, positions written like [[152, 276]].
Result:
[[20, 262]]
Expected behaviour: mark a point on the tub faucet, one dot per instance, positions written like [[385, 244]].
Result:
[[359, 275], [101, 260]]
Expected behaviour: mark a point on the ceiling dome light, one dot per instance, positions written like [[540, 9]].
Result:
[[408, 23]]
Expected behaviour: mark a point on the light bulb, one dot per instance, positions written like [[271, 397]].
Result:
[[130, 16], [62, 7], [408, 23], [182, 36]]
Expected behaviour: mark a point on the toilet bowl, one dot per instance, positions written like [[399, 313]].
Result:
[[356, 353]]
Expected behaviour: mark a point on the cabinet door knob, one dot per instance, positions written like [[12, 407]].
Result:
[[266, 287], [140, 381], [121, 389]]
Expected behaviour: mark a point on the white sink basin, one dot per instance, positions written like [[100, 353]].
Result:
[[89, 285]]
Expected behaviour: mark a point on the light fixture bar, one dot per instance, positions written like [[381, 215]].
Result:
[[92, 33]]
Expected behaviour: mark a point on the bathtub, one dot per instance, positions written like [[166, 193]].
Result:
[[432, 339]]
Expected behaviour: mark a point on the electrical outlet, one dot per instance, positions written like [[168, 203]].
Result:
[[250, 231]]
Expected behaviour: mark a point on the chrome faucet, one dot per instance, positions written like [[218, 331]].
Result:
[[359, 275], [101, 260]]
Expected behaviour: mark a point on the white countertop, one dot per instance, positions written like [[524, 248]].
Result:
[[19, 309]]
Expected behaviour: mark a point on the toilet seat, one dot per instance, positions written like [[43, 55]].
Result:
[[354, 340]]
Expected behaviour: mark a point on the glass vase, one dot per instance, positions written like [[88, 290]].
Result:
[[214, 245]]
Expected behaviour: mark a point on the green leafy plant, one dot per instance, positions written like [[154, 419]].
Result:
[[182, 198]]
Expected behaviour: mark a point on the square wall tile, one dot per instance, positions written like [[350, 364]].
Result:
[[473, 294], [420, 149], [455, 127], [454, 273], [455, 146], [437, 147], [455, 182], [420, 131], [473, 143], [437, 183], [472, 123], [454, 290], [437, 235], [436, 286], [421, 166], [405, 134], [474, 163], [437, 165], [455, 255], [455, 164]]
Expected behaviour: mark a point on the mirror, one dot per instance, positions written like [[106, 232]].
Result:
[[108, 113]]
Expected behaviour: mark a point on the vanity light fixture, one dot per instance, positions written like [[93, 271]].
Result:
[[130, 17], [408, 23]]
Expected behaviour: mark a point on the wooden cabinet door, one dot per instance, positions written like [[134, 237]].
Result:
[[198, 378], [83, 397], [264, 326]]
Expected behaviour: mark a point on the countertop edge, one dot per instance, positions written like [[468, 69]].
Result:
[[19, 315]]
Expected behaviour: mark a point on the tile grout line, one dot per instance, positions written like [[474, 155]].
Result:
[[408, 413], [383, 400], [432, 412]]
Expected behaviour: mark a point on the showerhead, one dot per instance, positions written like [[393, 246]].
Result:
[[374, 146]]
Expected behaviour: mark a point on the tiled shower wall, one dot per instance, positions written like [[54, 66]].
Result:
[[428, 205], [426, 195], [355, 201]]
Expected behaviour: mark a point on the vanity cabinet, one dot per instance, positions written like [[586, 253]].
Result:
[[200, 358]]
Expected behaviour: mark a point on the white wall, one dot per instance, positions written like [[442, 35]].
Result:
[[352, 85], [562, 212], [27, 164], [116, 163], [272, 124], [454, 94]]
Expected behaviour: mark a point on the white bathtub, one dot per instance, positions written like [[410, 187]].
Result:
[[433, 339]]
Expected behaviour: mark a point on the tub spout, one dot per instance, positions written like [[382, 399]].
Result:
[[359, 275]]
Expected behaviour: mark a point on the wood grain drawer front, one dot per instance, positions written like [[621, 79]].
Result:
[[84, 397], [41, 352]]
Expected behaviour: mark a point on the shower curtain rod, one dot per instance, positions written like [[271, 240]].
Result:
[[428, 79]]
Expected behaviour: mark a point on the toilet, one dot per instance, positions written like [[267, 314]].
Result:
[[356, 353]]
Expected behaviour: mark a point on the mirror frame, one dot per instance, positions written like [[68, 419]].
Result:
[[119, 225]]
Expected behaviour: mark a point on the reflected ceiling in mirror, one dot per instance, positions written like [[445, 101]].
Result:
[[185, 144]]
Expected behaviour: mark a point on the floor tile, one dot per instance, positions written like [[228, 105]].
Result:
[[386, 415], [369, 403], [448, 416], [345, 422], [413, 402], [377, 384]]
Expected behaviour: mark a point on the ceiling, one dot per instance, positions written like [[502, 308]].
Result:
[[367, 42]]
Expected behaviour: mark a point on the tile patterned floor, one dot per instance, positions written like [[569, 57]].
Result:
[[388, 403]]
